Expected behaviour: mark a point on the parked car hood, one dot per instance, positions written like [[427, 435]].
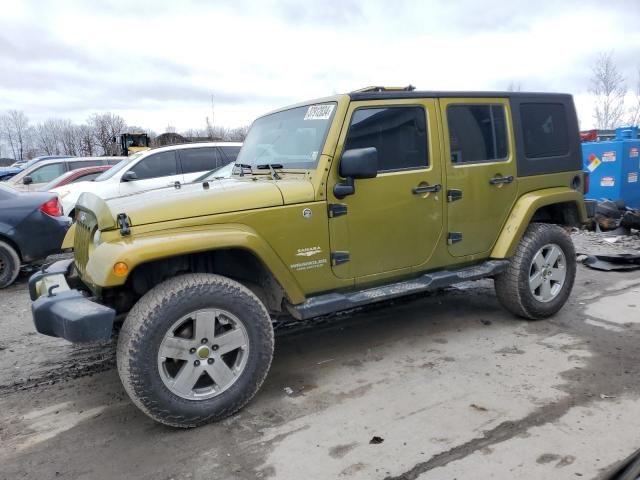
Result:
[[194, 200], [4, 171]]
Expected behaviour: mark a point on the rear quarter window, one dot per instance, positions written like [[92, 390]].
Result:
[[544, 129]]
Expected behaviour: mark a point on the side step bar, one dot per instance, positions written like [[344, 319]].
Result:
[[335, 302]]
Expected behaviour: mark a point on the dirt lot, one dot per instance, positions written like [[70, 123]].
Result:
[[453, 385]]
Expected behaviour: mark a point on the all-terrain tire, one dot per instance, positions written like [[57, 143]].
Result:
[[149, 320], [9, 265], [512, 286]]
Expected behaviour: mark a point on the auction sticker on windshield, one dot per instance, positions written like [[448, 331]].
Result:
[[319, 112]]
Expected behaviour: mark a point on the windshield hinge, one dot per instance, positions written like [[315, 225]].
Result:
[[123, 223], [337, 209]]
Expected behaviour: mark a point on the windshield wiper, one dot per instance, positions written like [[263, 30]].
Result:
[[272, 167], [242, 167]]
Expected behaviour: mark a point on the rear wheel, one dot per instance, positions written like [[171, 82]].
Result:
[[195, 349], [9, 265], [540, 277]]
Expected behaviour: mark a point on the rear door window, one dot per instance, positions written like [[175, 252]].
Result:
[[199, 159], [229, 154], [477, 133], [544, 127], [161, 164]]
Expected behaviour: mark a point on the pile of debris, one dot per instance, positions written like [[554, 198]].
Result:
[[614, 240], [615, 216]]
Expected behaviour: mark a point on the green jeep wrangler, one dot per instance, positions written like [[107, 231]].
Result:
[[333, 204]]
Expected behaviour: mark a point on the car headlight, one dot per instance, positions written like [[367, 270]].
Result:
[[96, 238]]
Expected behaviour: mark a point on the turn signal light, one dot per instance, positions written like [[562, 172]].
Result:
[[120, 269]]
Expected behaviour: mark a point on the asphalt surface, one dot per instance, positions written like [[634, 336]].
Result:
[[438, 387]]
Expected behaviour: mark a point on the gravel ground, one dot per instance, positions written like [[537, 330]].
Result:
[[593, 243], [451, 385]]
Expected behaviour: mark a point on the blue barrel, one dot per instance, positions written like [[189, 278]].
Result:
[[614, 167]]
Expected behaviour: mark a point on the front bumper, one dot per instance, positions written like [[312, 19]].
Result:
[[60, 311]]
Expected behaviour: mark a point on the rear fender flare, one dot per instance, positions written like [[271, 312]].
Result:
[[524, 210]]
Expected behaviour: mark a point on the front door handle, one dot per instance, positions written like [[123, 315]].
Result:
[[501, 180], [426, 189]]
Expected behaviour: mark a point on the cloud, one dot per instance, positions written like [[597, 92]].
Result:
[[158, 61]]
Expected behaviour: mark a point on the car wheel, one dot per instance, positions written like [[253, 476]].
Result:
[[9, 265], [195, 349], [540, 277]]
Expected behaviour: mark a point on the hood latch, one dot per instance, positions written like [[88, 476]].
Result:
[[123, 223]]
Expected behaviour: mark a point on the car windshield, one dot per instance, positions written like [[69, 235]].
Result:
[[292, 138], [26, 165], [118, 167]]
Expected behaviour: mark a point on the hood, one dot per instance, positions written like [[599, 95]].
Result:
[[4, 171], [222, 196]]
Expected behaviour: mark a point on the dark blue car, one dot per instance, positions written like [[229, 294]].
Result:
[[8, 172], [32, 227]]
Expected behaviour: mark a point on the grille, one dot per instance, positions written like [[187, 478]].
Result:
[[85, 228]]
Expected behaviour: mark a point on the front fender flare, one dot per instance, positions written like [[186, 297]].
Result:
[[136, 250], [524, 210]]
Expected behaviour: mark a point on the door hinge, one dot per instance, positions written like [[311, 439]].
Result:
[[454, 237], [453, 195], [338, 258], [337, 209]]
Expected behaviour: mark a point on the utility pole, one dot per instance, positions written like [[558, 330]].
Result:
[[212, 113]]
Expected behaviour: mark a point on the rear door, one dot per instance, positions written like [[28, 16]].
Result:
[[153, 171], [480, 170]]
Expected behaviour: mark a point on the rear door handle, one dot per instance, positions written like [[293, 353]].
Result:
[[426, 189], [501, 180]]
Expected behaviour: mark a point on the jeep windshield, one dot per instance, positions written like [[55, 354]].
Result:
[[292, 138]]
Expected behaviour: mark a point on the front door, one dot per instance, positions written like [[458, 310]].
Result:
[[154, 171], [391, 222], [481, 172]]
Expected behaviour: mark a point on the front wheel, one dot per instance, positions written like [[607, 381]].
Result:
[[195, 349], [540, 277]]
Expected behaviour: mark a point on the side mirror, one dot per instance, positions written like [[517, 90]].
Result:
[[356, 163], [129, 176], [27, 180]]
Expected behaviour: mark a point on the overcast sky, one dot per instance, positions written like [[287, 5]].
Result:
[[157, 63]]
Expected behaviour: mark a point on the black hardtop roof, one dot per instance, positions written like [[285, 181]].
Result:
[[400, 94]]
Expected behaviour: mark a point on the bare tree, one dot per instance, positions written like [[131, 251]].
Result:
[[634, 111], [69, 138], [47, 137], [105, 127], [86, 140], [15, 130], [609, 90], [238, 134]]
